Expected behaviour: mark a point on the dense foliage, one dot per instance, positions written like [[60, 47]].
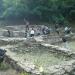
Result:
[[45, 10]]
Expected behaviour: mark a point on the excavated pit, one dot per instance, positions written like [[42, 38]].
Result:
[[29, 55], [33, 54]]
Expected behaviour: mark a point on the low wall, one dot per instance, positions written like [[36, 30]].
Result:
[[65, 68]]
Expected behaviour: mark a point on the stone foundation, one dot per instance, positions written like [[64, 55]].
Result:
[[61, 69]]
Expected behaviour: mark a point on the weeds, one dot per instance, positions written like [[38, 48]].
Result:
[[4, 66], [24, 73]]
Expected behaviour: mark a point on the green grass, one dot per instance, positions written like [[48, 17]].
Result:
[[4, 66], [24, 73], [39, 56]]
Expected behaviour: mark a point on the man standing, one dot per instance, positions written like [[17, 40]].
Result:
[[32, 33], [57, 28], [9, 34], [26, 27], [65, 42]]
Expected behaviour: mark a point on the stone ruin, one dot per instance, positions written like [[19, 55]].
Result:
[[17, 43]]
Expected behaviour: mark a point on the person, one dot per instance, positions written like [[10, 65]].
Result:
[[57, 29], [47, 30], [38, 31], [43, 29], [64, 39], [56, 26], [67, 30], [65, 42], [2, 55], [26, 31], [26, 22], [32, 32], [9, 34], [27, 27]]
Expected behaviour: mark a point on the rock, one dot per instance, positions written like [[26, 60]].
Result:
[[68, 68], [60, 72], [53, 69], [36, 72], [39, 39], [41, 69], [66, 74]]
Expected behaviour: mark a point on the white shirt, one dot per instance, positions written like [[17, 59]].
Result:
[[66, 28], [32, 32]]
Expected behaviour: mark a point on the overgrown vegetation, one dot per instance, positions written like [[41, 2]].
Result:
[[56, 11], [24, 73], [4, 66]]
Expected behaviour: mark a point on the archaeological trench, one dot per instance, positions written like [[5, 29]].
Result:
[[37, 56]]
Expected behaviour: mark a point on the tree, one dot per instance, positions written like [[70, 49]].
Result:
[[1, 7], [44, 10]]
